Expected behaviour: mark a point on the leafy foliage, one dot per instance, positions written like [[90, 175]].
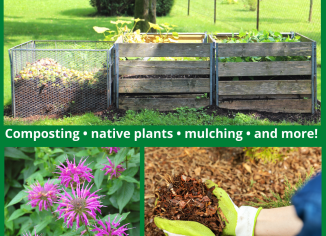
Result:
[[27, 165], [130, 36], [266, 154], [276, 200], [255, 36], [250, 4], [163, 7]]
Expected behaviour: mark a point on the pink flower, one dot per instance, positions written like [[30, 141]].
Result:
[[43, 196], [80, 207], [114, 149], [106, 228], [114, 172], [72, 174]]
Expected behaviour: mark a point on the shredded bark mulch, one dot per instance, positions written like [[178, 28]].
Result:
[[243, 179], [188, 199]]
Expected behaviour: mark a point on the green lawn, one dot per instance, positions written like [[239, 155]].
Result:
[[26, 20]]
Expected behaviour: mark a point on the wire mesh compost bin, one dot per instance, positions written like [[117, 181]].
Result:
[[60, 77]]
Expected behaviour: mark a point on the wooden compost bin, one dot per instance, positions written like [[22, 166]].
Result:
[[295, 95], [164, 93]]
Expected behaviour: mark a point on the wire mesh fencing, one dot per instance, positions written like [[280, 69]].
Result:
[[60, 77]]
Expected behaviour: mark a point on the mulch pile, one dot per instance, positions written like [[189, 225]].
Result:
[[114, 114], [243, 179], [188, 199]]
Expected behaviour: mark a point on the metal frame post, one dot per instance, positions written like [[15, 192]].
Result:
[[12, 83], [113, 72], [117, 74], [211, 73], [313, 75], [216, 74], [108, 77]]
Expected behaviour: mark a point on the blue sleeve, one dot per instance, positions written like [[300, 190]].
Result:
[[307, 203]]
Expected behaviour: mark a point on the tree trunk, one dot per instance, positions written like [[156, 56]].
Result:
[[310, 11], [145, 9]]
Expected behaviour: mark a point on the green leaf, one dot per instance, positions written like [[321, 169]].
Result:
[[134, 217], [136, 196], [18, 198], [117, 183], [125, 194], [131, 171], [17, 213], [82, 153], [15, 153], [27, 149], [47, 220], [120, 156], [128, 179], [123, 216], [61, 158], [24, 227], [98, 178], [56, 150]]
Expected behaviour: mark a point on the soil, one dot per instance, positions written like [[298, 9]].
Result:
[[245, 180], [114, 114], [188, 199]]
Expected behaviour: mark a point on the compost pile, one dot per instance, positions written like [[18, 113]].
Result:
[[45, 88], [188, 199], [244, 180]]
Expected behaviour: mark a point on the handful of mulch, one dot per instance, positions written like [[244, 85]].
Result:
[[188, 199]]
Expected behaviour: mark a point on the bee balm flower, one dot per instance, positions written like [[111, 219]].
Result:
[[107, 228], [81, 206], [74, 174], [43, 196], [112, 170], [29, 234]]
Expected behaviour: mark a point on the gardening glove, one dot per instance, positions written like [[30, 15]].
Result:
[[241, 221]]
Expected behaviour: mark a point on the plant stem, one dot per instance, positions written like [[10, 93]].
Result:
[[87, 230]]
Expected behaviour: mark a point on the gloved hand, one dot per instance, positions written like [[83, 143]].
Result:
[[241, 221]]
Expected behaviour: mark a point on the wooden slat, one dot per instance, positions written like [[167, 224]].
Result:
[[185, 38], [266, 68], [277, 105], [304, 38], [264, 49], [164, 50], [164, 85], [135, 67], [268, 96], [264, 87], [162, 104]]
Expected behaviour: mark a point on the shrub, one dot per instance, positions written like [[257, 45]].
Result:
[[114, 7], [29, 169], [127, 7], [163, 7], [251, 4]]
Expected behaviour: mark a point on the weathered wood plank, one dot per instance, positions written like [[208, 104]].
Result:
[[264, 49], [201, 85], [267, 96], [264, 87], [164, 85], [163, 104], [265, 68], [184, 38], [164, 50], [304, 38], [135, 67], [277, 105]]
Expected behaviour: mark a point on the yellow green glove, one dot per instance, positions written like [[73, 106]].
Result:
[[241, 221]]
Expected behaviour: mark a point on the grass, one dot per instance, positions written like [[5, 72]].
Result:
[[26, 20], [150, 117]]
